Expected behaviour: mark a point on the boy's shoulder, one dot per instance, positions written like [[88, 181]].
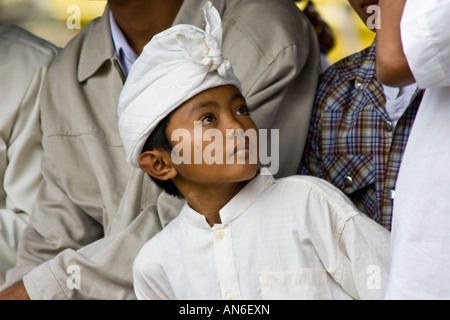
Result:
[[306, 182], [314, 192]]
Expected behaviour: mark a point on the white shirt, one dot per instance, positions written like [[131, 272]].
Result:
[[397, 101], [421, 218], [124, 52], [292, 238]]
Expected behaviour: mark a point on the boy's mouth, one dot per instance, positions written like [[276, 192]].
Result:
[[240, 148]]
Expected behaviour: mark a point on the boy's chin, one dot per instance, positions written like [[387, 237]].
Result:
[[246, 172]]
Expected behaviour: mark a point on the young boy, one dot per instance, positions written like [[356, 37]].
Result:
[[241, 234]]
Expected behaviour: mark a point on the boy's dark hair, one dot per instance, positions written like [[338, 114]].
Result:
[[158, 140]]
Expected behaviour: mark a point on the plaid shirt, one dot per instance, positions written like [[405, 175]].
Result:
[[351, 140]]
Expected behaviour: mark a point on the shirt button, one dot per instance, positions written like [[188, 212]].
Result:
[[388, 126], [358, 84], [348, 181], [220, 234], [391, 194], [229, 296]]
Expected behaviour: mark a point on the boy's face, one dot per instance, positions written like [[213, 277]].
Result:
[[360, 6], [225, 155]]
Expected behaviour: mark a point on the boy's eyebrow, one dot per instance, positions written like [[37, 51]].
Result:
[[205, 104], [195, 108], [237, 96]]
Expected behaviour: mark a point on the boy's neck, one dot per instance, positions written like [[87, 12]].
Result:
[[141, 20], [209, 200]]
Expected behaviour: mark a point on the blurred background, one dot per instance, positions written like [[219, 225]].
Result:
[[58, 21]]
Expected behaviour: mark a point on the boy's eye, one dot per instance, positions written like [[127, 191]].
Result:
[[243, 110], [208, 119]]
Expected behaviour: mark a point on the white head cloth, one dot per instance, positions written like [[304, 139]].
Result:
[[174, 66]]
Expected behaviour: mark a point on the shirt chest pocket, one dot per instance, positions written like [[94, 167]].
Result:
[[349, 173], [300, 284]]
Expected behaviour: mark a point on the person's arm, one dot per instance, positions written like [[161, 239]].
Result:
[[311, 159], [20, 159], [311, 163], [367, 257], [26, 59], [149, 278], [91, 267], [392, 66], [15, 292], [354, 249]]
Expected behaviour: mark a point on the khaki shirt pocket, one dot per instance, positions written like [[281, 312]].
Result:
[[300, 284]]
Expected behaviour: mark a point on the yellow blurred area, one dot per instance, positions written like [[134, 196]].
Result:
[[49, 19], [63, 11], [351, 33], [89, 9]]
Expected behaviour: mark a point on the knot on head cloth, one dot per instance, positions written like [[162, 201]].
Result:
[[174, 66]]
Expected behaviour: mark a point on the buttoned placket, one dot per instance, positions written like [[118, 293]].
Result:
[[223, 247]]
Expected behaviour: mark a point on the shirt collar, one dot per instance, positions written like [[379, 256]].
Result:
[[124, 52], [367, 72], [98, 48], [236, 206]]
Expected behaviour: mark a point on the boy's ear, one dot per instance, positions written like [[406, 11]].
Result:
[[156, 164]]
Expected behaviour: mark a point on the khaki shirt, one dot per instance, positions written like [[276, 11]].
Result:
[[94, 211], [23, 64]]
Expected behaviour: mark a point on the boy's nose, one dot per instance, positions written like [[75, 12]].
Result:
[[231, 133], [233, 127]]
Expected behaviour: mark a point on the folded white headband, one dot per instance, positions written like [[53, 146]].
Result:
[[174, 66]]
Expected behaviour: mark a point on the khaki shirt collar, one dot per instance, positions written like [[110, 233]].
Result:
[[98, 46]]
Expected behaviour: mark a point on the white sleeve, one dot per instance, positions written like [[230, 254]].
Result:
[[366, 245], [426, 42], [149, 279]]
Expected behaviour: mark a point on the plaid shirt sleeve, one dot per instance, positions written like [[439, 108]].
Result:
[[311, 160]]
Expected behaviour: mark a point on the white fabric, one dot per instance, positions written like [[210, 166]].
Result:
[[292, 238], [174, 66], [397, 100], [421, 218]]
